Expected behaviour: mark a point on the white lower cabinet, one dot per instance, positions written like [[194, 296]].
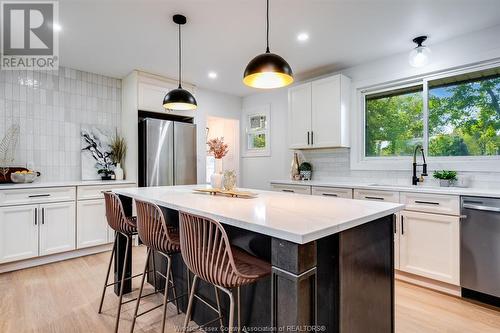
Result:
[[429, 246], [92, 227], [18, 232], [57, 227]]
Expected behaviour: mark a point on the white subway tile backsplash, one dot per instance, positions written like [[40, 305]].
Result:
[[50, 107]]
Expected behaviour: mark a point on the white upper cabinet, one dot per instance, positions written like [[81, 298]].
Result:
[[299, 120], [319, 113]]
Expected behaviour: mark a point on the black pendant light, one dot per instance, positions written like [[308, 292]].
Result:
[[179, 99], [268, 70]]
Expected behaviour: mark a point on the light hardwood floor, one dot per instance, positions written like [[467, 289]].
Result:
[[64, 297]]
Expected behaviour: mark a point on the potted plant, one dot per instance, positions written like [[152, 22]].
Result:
[[118, 150], [218, 149], [446, 177], [305, 170], [105, 173]]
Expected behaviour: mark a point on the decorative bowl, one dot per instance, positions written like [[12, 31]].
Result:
[[28, 177]]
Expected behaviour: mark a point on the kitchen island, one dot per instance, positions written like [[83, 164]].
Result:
[[332, 259]]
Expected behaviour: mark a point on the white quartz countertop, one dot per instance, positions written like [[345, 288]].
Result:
[[479, 192], [41, 184], [294, 217]]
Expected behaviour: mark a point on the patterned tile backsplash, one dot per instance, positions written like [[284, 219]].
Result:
[[334, 164], [50, 107]]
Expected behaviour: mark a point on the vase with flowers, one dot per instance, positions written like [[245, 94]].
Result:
[[218, 149]]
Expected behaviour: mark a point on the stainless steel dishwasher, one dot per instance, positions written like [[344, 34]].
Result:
[[480, 248]]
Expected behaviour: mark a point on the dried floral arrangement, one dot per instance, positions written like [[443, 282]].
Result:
[[118, 148], [217, 147]]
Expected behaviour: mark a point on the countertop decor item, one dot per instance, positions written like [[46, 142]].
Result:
[[229, 180], [7, 149], [119, 151], [446, 177], [179, 99], [305, 170], [294, 169], [268, 70], [218, 149], [96, 153], [231, 193], [25, 176]]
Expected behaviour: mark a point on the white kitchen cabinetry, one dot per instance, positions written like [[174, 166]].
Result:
[[92, 228], [290, 188], [376, 195], [319, 113], [18, 232], [429, 246], [299, 115], [337, 192], [57, 227]]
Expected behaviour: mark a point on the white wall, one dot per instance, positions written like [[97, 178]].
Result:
[[257, 171], [212, 104], [467, 49]]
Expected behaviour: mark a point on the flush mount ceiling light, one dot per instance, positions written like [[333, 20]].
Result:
[[268, 70], [212, 75], [179, 99], [420, 55]]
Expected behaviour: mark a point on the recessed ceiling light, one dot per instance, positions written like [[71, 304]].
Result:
[[212, 75], [56, 27], [302, 37]]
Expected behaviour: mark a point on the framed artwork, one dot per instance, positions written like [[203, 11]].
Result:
[[95, 150], [257, 131]]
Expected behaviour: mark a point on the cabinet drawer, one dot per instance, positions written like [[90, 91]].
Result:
[[431, 203], [301, 189], [376, 195], [95, 191], [36, 195], [332, 192]]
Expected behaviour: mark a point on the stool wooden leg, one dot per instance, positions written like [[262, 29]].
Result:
[[190, 303], [107, 276], [165, 296], [122, 285], [144, 273]]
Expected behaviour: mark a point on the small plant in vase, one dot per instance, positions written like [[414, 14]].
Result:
[[446, 177], [218, 149], [118, 150], [106, 173]]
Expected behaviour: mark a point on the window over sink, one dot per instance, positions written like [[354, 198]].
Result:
[[454, 115]]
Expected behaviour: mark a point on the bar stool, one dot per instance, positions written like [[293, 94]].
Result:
[[126, 226], [208, 254], [162, 238]]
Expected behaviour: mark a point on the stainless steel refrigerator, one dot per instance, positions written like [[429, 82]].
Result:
[[167, 152]]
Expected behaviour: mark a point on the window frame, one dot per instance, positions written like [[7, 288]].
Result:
[[262, 110], [359, 160]]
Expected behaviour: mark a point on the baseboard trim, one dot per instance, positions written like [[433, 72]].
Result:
[[27, 263], [429, 283]]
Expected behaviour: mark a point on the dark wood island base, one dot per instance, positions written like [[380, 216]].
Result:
[[340, 283]]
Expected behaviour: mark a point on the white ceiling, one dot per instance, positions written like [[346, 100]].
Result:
[[113, 37]]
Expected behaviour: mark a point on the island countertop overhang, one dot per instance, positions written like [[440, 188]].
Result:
[[293, 217]]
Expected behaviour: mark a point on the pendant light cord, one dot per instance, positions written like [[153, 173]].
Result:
[[267, 28], [180, 57]]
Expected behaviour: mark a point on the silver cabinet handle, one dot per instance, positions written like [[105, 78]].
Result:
[[38, 195], [375, 198], [483, 208], [290, 191], [36, 216], [330, 194], [427, 203]]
